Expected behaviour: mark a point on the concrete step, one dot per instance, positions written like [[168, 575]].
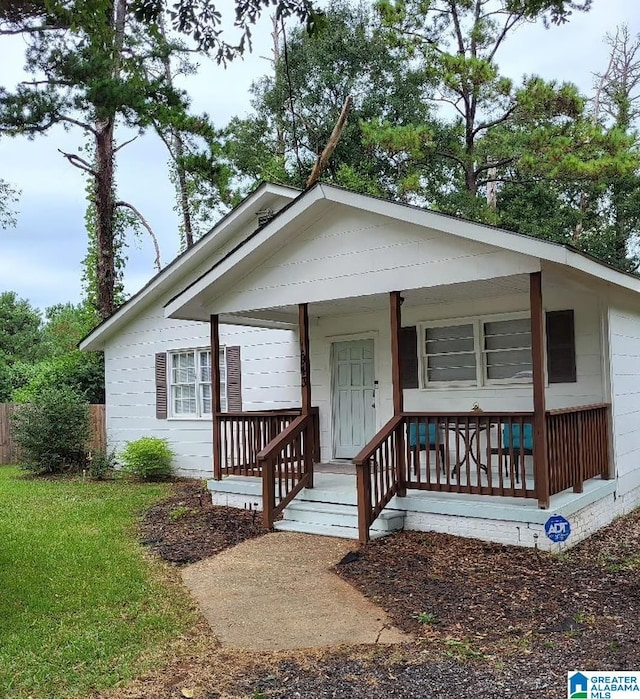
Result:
[[287, 525], [336, 514]]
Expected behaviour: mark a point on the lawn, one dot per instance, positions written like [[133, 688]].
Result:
[[82, 606]]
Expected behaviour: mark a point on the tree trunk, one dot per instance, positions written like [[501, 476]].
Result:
[[177, 143], [105, 210]]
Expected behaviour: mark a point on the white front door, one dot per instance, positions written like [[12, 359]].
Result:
[[354, 412]]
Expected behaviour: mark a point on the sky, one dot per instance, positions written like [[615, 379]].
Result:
[[40, 259]]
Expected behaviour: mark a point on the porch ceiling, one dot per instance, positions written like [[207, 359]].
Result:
[[501, 286]]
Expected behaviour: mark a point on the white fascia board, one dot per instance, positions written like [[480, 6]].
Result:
[[186, 262], [175, 307]]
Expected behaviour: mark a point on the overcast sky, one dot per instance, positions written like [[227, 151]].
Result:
[[41, 258]]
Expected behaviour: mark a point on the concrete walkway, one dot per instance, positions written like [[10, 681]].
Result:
[[277, 592]]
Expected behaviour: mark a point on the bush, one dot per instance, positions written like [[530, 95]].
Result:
[[148, 458], [52, 431], [101, 464]]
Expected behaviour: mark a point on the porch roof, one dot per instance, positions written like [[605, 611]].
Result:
[[525, 254]]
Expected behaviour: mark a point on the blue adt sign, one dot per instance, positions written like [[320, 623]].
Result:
[[557, 528]]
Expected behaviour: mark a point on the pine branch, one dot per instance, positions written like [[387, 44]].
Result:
[[78, 162], [144, 222]]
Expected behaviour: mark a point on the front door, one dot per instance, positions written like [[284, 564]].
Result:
[[354, 412]]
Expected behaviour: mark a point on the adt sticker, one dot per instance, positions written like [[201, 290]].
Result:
[[557, 528]]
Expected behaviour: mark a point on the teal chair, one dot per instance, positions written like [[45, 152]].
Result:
[[517, 440], [422, 438]]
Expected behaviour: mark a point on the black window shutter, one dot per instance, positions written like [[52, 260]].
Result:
[[234, 380], [409, 356], [161, 385], [561, 347]]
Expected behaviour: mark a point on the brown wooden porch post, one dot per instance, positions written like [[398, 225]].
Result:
[[215, 397], [305, 375], [305, 383], [540, 461], [396, 382]]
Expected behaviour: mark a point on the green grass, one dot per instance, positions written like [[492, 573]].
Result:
[[81, 607]]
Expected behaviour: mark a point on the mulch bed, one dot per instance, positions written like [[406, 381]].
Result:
[[186, 527], [489, 620]]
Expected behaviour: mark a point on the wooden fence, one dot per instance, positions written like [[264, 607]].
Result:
[[9, 451]]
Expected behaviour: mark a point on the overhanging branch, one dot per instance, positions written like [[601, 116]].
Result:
[[79, 162], [144, 222]]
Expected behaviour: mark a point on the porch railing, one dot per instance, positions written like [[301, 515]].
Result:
[[577, 446], [479, 453], [243, 435], [286, 465]]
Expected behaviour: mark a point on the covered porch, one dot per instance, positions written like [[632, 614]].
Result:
[[409, 437]]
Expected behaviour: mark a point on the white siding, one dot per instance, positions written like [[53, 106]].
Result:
[[351, 253], [624, 334], [587, 390], [270, 379]]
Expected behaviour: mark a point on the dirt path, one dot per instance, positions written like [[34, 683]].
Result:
[[278, 592]]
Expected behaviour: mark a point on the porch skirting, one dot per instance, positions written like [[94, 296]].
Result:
[[510, 521]]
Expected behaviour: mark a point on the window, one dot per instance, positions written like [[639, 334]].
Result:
[[450, 354], [190, 382], [477, 352], [507, 349]]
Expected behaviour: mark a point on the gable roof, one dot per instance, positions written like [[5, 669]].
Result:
[[324, 194], [264, 196]]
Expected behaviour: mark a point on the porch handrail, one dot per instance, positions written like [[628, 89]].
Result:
[[241, 435], [578, 408], [286, 465], [383, 475]]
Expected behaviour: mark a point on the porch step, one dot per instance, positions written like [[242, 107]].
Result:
[[335, 519], [287, 525]]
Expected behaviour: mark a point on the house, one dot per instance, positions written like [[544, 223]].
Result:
[[452, 376], [157, 370]]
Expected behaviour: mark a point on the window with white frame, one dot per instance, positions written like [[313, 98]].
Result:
[[476, 351], [190, 382]]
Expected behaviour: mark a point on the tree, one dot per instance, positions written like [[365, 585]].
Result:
[[196, 166], [489, 126], [19, 327], [617, 99], [19, 339], [296, 106], [8, 198], [86, 60]]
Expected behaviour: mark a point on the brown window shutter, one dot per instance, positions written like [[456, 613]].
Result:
[[234, 380], [409, 356], [161, 385], [561, 347]]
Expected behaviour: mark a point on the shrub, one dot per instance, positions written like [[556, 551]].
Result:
[[52, 431], [148, 458], [101, 463]]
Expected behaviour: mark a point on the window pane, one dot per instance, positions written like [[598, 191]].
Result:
[[451, 331], [507, 327], [205, 393], [460, 373], [205, 366], [450, 353], [449, 361], [509, 364], [456, 338], [184, 399], [497, 342], [183, 368]]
